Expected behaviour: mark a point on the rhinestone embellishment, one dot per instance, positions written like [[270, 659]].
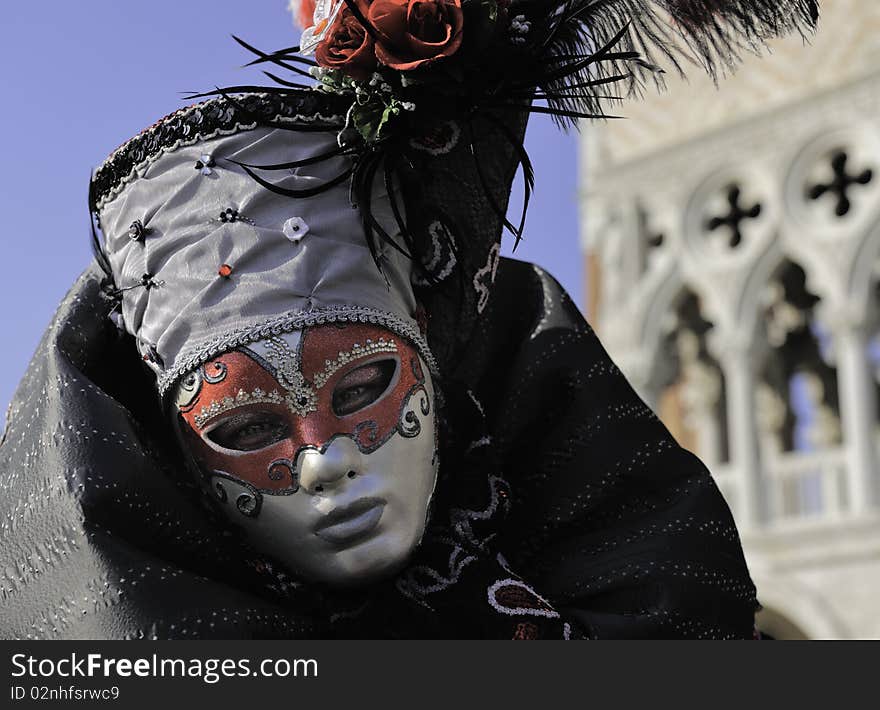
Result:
[[205, 163], [301, 397], [137, 231], [357, 351], [230, 215], [226, 404]]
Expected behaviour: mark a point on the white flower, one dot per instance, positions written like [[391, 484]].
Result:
[[295, 229], [325, 13], [519, 27]]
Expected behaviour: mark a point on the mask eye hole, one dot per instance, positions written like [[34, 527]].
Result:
[[362, 387], [249, 431]]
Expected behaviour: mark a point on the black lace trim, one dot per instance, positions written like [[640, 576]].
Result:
[[216, 116]]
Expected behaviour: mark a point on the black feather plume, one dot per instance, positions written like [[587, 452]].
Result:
[[580, 42]]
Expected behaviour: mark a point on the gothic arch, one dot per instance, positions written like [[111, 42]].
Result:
[[797, 375], [746, 312], [863, 275], [688, 382], [661, 302]]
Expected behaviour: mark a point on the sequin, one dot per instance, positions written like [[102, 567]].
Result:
[[193, 124]]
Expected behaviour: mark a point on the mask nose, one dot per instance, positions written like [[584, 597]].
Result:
[[320, 472]]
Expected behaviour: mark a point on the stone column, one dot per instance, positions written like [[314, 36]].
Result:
[[858, 413], [737, 362]]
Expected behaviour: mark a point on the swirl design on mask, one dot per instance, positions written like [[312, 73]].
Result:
[[249, 500], [281, 469], [410, 425], [188, 392], [220, 371], [365, 434]]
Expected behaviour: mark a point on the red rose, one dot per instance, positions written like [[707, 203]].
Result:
[[414, 33], [348, 46]]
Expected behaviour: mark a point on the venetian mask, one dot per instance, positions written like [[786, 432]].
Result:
[[320, 444]]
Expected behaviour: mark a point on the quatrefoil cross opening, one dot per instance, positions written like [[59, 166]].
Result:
[[737, 215], [841, 183]]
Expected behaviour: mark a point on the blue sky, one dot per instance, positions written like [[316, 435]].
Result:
[[80, 78]]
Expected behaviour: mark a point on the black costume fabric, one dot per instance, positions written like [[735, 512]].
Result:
[[577, 512]]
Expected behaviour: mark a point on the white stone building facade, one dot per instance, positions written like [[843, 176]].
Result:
[[732, 243]]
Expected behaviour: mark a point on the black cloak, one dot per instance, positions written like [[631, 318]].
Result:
[[619, 529]]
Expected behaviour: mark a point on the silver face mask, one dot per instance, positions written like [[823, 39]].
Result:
[[321, 445]]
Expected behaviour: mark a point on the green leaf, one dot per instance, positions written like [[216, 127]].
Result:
[[387, 115], [368, 120]]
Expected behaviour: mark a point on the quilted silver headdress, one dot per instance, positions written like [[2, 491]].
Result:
[[205, 259]]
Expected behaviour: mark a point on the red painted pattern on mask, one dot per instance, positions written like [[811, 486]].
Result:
[[370, 427]]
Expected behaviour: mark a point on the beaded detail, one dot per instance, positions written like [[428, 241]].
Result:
[[227, 404], [230, 215], [199, 353], [301, 397], [207, 120], [357, 351]]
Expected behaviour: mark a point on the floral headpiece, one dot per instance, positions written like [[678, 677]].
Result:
[[433, 96], [396, 56], [410, 66]]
